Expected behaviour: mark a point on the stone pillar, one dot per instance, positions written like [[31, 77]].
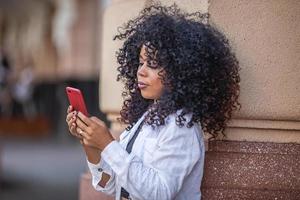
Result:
[[260, 157], [263, 35]]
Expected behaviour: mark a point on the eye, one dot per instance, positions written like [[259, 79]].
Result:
[[153, 64], [140, 64]]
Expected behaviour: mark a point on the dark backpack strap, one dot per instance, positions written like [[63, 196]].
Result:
[[129, 146]]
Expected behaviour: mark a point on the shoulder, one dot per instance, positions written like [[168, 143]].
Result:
[[172, 120], [171, 129]]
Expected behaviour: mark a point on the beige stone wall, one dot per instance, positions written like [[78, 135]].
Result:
[[113, 17], [263, 35]]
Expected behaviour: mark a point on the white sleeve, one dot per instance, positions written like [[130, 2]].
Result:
[[172, 161], [97, 171]]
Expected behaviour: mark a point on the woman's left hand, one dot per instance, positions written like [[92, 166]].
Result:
[[94, 131]]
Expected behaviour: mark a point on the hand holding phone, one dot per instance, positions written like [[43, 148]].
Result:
[[76, 100]]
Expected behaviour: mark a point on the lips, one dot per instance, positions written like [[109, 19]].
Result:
[[142, 85]]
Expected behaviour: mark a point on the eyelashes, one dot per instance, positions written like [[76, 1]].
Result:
[[140, 65], [150, 64]]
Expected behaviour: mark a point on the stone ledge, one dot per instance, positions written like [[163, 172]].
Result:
[[237, 170], [265, 124], [236, 194], [250, 167], [254, 147]]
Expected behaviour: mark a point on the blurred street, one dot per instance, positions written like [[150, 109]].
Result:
[[44, 169]]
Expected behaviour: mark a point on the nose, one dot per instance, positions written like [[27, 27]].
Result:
[[142, 71]]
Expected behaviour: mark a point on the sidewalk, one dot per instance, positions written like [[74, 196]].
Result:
[[40, 169]]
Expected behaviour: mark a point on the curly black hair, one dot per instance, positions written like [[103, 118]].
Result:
[[202, 72]]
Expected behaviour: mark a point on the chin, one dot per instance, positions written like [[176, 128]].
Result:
[[145, 96]]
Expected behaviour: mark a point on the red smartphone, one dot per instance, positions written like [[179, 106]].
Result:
[[76, 100]]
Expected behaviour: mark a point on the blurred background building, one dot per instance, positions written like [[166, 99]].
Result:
[[46, 45]]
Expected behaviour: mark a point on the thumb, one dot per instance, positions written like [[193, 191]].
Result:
[[98, 121]]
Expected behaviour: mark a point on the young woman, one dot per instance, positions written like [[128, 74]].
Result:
[[181, 79]]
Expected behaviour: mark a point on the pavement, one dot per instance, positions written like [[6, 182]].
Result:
[[40, 169]]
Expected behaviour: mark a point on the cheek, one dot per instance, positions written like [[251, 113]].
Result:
[[158, 86], [161, 86]]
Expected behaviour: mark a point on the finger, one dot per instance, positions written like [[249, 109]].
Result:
[[80, 124], [70, 109], [85, 142], [71, 120], [98, 121], [84, 118], [70, 116], [81, 133], [73, 128], [79, 136]]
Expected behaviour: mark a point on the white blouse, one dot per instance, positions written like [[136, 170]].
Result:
[[166, 162]]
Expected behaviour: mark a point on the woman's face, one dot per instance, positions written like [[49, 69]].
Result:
[[149, 82]]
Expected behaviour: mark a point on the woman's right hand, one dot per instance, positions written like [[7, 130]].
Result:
[[71, 121], [92, 153]]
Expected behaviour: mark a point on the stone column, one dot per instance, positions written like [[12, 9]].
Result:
[[260, 157], [110, 90], [264, 37]]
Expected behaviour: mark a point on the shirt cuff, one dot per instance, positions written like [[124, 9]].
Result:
[[95, 168], [97, 171]]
